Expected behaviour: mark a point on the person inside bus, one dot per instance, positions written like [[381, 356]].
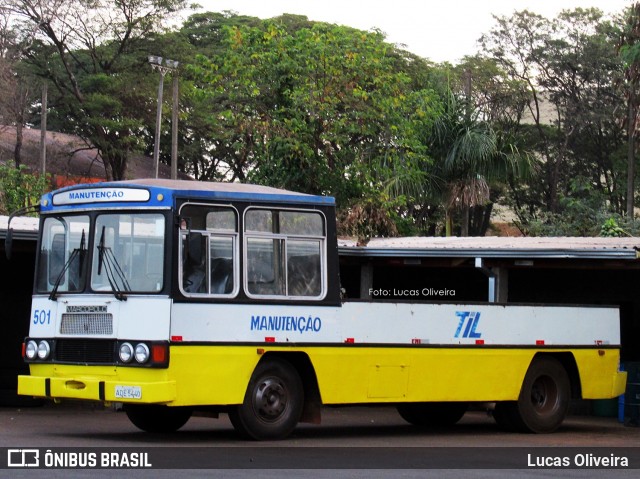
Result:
[[195, 269], [221, 275]]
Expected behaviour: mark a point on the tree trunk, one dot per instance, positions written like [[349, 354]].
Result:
[[43, 130], [480, 220], [464, 224], [631, 154], [448, 223], [17, 151]]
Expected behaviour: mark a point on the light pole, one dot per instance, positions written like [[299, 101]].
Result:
[[169, 65]]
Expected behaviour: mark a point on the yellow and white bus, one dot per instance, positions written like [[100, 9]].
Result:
[[176, 298]]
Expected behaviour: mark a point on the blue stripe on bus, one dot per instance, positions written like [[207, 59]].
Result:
[[169, 195]]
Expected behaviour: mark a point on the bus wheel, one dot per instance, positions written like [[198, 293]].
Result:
[[544, 397], [155, 418], [432, 414], [272, 404]]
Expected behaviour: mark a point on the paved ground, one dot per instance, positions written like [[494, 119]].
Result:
[[92, 425], [366, 435]]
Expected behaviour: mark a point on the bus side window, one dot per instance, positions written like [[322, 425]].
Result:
[[264, 275], [221, 254], [284, 253], [195, 268], [209, 249], [303, 275]]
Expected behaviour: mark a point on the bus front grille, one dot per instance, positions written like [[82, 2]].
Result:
[[85, 351], [86, 323]]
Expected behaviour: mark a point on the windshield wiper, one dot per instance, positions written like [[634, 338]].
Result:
[[76, 253], [112, 269]]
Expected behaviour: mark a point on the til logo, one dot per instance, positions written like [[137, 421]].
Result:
[[469, 322]]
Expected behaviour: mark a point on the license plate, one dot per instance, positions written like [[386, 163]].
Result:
[[129, 392]]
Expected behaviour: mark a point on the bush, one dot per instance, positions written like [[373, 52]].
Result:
[[19, 188]]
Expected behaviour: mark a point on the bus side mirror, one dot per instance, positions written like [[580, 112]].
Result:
[[184, 223], [8, 241]]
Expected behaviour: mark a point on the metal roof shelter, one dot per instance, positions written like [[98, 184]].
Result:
[[492, 256], [495, 247], [24, 228]]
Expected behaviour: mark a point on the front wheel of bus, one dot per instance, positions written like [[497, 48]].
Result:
[[272, 404], [157, 419], [544, 397]]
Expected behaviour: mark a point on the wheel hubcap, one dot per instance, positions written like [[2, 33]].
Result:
[[544, 395], [270, 399]]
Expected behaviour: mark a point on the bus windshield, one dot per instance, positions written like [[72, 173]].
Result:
[[126, 253], [62, 253]]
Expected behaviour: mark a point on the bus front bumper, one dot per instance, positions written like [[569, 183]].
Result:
[[97, 389]]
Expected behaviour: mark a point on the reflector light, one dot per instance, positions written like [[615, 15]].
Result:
[[159, 353]]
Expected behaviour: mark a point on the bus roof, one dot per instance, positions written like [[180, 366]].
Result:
[[162, 192]]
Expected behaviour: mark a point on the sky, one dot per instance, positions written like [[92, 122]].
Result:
[[441, 30]]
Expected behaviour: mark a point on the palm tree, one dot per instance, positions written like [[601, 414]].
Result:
[[469, 154]]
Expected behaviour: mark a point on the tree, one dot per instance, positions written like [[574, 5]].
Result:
[[19, 188], [92, 52], [322, 109], [17, 87], [568, 64], [629, 51], [469, 155]]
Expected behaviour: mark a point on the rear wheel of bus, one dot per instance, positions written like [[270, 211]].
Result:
[[156, 418], [272, 404], [543, 402]]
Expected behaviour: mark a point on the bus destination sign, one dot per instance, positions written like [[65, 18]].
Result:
[[100, 195]]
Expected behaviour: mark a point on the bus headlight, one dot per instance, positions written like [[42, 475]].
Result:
[[31, 350], [43, 350], [126, 352], [142, 353]]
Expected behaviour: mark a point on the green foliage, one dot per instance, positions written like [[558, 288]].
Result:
[[610, 228], [314, 107], [368, 218], [583, 213], [19, 188]]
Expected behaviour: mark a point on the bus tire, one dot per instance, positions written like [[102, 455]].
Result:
[[544, 398], [432, 414], [157, 419], [272, 404]]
